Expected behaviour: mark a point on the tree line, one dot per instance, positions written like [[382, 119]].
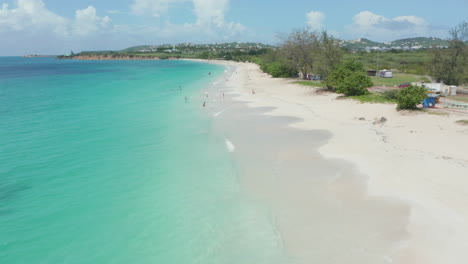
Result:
[[451, 65], [303, 51]]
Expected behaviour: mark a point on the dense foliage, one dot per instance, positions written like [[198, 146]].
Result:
[[410, 97], [451, 66], [311, 52], [278, 69], [349, 78]]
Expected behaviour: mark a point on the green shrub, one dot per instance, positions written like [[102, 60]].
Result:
[[410, 97], [391, 94], [355, 83], [349, 78], [278, 69], [373, 98]]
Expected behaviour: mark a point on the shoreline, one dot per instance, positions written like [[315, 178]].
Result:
[[416, 160]]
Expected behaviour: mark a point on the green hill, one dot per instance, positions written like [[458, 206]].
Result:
[[140, 48], [360, 43], [420, 41], [400, 44]]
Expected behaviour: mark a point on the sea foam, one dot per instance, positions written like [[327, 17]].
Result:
[[229, 145]]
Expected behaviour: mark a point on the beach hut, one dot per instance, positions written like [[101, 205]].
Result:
[[371, 73]]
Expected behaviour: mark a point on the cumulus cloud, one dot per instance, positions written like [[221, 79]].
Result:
[[27, 26], [32, 17], [315, 20], [153, 7], [210, 11], [377, 27], [88, 22], [209, 16]]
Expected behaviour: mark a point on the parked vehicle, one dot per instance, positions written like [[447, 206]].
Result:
[[385, 74], [312, 77], [404, 85]]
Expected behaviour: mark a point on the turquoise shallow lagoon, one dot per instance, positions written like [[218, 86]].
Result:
[[105, 162]]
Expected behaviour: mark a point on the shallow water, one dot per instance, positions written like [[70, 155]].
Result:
[[105, 162]]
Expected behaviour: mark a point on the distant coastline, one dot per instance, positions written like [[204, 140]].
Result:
[[104, 57], [38, 56]]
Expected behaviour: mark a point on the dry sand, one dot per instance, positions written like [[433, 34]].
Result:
[[400, 194]]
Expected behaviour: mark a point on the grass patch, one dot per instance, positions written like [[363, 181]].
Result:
[[311, 83], [437, 113], [463, 122], [415, 62], [458, 98], [373, 98], [398, 78]]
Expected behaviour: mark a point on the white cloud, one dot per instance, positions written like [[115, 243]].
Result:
[[210, 11], [27, 26], [209, 17], [315, 20], [153, 7], [87, 22], [380, 28], [31, 16]]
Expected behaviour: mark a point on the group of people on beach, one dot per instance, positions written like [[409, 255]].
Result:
[[206, 93]]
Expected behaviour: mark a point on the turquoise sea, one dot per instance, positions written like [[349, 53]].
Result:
[[105, 162]]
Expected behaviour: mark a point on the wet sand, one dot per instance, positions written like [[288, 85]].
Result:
[[320, 205]]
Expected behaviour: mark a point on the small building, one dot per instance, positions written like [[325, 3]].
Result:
[[439, 88], [434, 87], [450, 90], [371, 73]]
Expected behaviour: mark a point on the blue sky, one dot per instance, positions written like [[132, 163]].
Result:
[[57, 26]]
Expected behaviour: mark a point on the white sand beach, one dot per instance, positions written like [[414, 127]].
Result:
[[402, 193]]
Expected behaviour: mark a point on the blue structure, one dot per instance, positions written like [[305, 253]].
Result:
[[429, 102]]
